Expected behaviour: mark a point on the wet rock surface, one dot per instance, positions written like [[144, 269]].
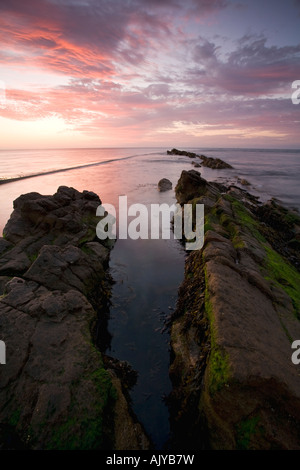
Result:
[[214, 163], [55, 390], [235, 385]]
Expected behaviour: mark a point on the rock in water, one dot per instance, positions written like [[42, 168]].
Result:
[[182, 152], [210, 162], [214, 163], [164, 185], [55, 392]]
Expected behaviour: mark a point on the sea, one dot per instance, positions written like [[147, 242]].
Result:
[[147, 273]]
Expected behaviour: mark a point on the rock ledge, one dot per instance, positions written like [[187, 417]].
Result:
[[55, 391], [235, 386]]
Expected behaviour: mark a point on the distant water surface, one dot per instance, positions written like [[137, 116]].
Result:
[[118, 171]]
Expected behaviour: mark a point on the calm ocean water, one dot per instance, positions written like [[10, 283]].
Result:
[[147, 272], [110, 172]]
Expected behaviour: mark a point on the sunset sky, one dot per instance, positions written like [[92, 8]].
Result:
[[116, 73]]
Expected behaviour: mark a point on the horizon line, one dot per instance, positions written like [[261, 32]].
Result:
[[149, 147]]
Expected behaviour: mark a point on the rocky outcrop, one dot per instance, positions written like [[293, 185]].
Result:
[[235, 385], [55, 390], [190, 186], [214, 163], [182, 152], [164, 185], [210, 162]]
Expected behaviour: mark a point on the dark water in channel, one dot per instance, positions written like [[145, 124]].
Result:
[[147, 274]]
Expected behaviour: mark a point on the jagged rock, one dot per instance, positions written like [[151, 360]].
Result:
[[65, 268], [122, 370], [69, 215], [55, 391], [99, 251], [189, 186], [3, 282], [164, 185], [182, 152], [14, 262], [129, 434], [4, 246], [214, 163], [281, 227]]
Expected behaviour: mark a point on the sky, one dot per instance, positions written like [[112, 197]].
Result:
[[136, 73]]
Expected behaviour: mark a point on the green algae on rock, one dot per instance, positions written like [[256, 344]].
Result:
[[237, 314]]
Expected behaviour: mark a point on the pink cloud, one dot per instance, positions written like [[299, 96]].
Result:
[[133, 68], [89, 106], [78, 39]]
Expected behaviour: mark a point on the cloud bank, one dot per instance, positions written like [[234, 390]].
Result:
[[148, 72]]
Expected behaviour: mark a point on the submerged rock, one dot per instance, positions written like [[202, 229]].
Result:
[[235, 385], [55, 390]]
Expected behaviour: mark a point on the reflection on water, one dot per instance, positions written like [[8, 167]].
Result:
[[147, 275], [107, 180], [271, 172]]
